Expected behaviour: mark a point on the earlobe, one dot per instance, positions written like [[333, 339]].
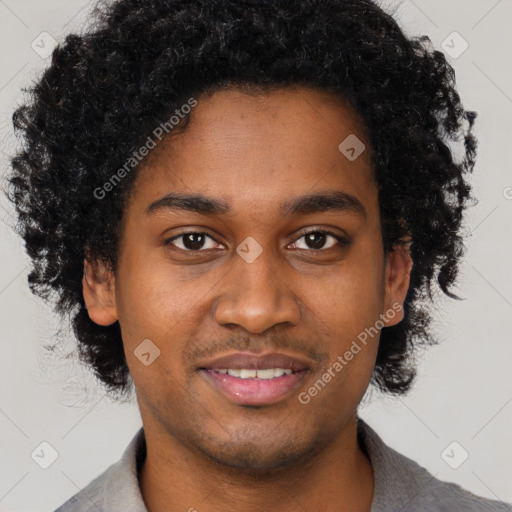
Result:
[[398, 272], [98, 285]]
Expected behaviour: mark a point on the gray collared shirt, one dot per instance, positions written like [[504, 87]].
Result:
[[401, 485]]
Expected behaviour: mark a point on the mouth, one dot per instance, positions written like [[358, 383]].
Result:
[[249, 379]]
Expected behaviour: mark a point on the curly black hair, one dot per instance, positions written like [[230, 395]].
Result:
[[137, 61]]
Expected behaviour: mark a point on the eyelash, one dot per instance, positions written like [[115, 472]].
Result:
[[342, 241]]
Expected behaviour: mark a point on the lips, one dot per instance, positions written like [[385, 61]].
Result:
[[245, 378], [251, 361]]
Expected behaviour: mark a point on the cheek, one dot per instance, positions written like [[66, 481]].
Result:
[[352, 297], [154, 317], [348, 308], [154, 301], [347, 312]]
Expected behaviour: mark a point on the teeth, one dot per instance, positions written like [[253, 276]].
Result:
[[265, 374], [268, 373]]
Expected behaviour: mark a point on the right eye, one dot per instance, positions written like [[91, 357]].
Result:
[[191, 241]]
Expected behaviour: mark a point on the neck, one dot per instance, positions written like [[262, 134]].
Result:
[[337, 479]]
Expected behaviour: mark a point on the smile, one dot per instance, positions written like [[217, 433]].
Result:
[[254, 387], [269, 373]]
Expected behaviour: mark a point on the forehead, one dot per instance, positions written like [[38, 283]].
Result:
[[256, 150]]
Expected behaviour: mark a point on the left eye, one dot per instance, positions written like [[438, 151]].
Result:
[[316, 240]]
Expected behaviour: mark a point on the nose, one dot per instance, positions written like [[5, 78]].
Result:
[[256, 298]]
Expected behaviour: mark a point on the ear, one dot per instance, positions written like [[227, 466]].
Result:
[[398, 271], [98, 284]]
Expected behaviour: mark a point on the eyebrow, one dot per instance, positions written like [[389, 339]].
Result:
[[307, 204]]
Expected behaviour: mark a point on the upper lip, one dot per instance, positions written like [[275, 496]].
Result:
[[250, 360]]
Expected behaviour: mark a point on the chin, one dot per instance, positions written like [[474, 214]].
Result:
[[251, 459], [270, 453]]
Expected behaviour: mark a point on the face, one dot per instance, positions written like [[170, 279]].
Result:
[[253, 269]]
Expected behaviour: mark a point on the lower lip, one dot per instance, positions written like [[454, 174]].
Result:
[[254, 391]]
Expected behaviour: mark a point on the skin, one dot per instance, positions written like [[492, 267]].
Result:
[[255, 152]]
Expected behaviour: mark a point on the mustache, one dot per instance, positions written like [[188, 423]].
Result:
[[205, 350]]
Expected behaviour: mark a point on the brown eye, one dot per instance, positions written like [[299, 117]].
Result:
[[316, 240], [193, 241]]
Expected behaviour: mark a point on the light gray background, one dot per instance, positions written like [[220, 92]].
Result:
[[464, 389]]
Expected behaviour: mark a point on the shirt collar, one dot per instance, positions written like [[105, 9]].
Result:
[[121, 490]]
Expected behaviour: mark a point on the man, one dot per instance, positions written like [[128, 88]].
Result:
[[243, 205]]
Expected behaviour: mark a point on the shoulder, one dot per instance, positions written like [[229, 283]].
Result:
[[403, 485], [439, 496], [449, 497]]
